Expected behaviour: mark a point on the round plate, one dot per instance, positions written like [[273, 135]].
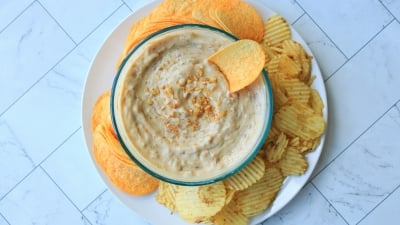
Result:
[[100, 78]]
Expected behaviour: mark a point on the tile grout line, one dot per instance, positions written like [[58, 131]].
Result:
[[91, 202], [65, 195], [295, 21], [123, 2], [355, 139], [323, 31], [362, 47], [16, 17], [35, 167], [57, 63], [390, 12], [1, 215], [377, 205], [51, 16], [330, 204], [102, 22], [37, 81]]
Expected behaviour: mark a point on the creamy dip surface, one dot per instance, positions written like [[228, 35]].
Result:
[[175, 110]]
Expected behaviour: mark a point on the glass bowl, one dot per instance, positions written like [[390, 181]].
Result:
[[131, 142]]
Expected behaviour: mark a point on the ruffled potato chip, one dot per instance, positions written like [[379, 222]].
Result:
[[276, 30], [299, 120], [259, 196], [250, 174], [293, 163], [316, 102], [296, 90], [166, 195], [229, 215], [196, 204], [277, 150]]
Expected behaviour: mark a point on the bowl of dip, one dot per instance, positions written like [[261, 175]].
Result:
[[173, 114]]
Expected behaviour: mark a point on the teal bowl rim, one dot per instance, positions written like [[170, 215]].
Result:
[[267, 124]]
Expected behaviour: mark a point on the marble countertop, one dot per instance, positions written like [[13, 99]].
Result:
[[47, 177]]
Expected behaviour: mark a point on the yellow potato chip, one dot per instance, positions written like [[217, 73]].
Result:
[[296, 52], [129, 178], [229, 215], [296, 90], [166, 195], [229, 196], [198, 203], [259, 196], [288, 67], [276, 30], [273, 66], [240, 62], [316, 102], [292, 49], [279, 95], [297, 119], [294, 163], [294, 142], [277, 149], [305, 61], [250, 174]]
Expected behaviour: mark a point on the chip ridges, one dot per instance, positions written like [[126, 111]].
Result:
[[250, 174]]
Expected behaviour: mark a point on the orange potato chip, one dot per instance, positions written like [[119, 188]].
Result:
[[101, 111], [126, 176], [240, 62], [242, 20]]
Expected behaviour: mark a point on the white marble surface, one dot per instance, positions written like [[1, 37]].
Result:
[[106, 209], [47, 177]]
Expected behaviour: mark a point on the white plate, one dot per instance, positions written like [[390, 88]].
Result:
[[100, 78]]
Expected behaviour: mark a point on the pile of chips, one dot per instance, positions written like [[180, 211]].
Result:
[[296, 129]]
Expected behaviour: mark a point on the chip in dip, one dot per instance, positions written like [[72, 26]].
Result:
[[173, 112]]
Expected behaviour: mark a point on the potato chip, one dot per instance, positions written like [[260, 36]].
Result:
[[198, 203], [296, 90], [305, 61], [293, 163], [316, 102], [295, 51], [229, 196], [242, 20], [292, 49], [279, 95], [277, 149], [299, 120], [129, 178], [273, 66], [307, 145], [230, 215], [247, 176], [101, 111], [276, 30], [259, 196], [288, 67], [166, 195], [240, 62]]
